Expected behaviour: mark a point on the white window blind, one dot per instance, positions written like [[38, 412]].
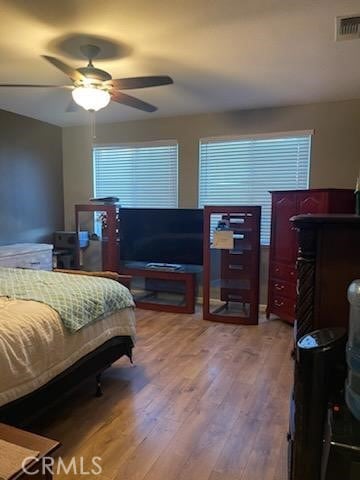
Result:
[[241, 171], [141, 175]]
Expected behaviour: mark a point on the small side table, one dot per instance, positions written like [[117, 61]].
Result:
[[45, 446]]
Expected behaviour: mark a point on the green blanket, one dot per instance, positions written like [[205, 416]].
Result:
[[78, 299]]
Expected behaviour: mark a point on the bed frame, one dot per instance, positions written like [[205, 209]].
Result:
[[24, 411]]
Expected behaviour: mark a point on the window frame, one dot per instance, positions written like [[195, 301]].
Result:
[[140, 144], [257, 136]]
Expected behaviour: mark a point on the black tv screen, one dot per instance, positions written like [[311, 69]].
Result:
[[161, 235]]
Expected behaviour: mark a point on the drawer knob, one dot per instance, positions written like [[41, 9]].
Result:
[[279, 303], [279, 287]]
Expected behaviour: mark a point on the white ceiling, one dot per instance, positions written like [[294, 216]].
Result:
[[222, 54]]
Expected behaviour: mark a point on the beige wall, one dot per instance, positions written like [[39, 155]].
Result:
[[335, 148], [335, 158]]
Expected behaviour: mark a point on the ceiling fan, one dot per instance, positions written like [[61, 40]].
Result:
[[93, 88]]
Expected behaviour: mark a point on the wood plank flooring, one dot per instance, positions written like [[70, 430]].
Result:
[[204, 401]]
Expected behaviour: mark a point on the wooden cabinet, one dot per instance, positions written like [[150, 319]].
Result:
[[86, 217], [328, 261], [231, 276], [284, 240]]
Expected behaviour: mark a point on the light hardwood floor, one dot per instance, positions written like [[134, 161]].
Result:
[[205, 401]]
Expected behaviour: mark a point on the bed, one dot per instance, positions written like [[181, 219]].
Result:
[[41, 359]]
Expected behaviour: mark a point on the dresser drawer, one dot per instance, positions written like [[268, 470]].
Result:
[[283, 288], [283, 305], [283, 272]]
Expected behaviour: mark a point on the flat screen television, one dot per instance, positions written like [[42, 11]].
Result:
[[161, 235]]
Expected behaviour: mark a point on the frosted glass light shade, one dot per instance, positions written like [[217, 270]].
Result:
[[91, 98]]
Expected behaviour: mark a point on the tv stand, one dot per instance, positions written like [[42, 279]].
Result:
[[163, 289]]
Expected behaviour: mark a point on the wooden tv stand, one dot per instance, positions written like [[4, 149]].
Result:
[[183, 279]]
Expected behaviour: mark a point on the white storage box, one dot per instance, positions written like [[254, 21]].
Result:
[[37, 256]]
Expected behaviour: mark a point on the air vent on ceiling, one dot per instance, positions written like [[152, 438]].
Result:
[[348, 28]]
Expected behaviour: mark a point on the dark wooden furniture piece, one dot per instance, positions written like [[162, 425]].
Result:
[[233, 273], [284, 243], [109, 234], [328, 261], [28, 440], [182, 280]]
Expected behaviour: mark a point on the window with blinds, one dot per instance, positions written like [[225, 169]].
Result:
[[141, 175], [241, 171]]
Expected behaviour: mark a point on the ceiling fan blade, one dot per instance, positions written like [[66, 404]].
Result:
[[141, 82], [73, 107], [20, 85], [124, 99], [69, 71]]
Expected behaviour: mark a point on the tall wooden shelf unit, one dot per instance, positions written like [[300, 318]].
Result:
[[231, 277], [284, 240], [109, 238]]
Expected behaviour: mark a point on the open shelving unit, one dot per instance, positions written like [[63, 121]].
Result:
[[163, 290], [103, 252], [231, 276]]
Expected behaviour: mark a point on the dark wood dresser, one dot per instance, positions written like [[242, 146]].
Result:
[[328, 261], [284, 241]]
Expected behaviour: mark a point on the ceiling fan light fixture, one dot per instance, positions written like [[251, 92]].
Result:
[[91, 98]]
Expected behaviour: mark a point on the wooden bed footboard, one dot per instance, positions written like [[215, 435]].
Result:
[[123, 279]]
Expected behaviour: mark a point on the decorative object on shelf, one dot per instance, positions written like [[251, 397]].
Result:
[[284, 241], [231, 275]]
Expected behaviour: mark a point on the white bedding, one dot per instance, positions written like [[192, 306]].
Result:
[[35, 346]]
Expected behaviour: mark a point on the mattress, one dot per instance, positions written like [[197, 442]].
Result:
[[35, 346]]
